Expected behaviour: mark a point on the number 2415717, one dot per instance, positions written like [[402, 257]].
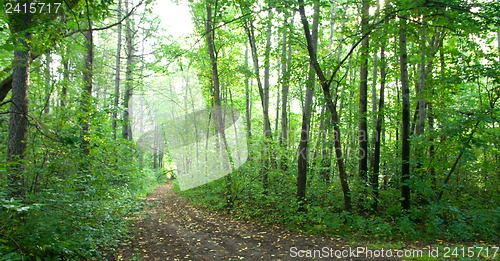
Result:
[[32, 8]]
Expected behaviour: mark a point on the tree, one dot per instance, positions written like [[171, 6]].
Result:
[[218, 115], [286, 59], [117, 68], [86, 96], [248, 97], [263, 88], [363, 97], [18, 125], [379, 123], [129, 87], [303, 150], [405, 115], [325, 85]]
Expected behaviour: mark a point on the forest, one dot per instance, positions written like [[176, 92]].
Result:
[[369, 121]]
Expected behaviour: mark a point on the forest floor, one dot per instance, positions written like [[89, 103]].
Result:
[[173, 229]]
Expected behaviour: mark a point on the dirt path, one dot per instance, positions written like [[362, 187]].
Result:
[[175, 230]]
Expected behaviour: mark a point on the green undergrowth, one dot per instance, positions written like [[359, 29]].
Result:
[[72, 224], [74, 206], [452, 220]]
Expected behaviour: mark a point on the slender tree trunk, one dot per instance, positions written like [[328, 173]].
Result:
[[267, 68], [378, 127], [268, 150], [219, 121], [277, 119], [18, 124], [374, 89], [86, 95], [325, 85], [248, 97], [398, 123], [303, 150], [420, 126], [255, 57], [263, 92], [363, 98], [117, 69], [48, 80], [457, 160], [129, 78], [155, 146], [66, 79], [285, 62], [405, 128], [430, 116]]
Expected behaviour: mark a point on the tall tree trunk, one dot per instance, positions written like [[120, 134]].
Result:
[[129, 78], [285, 61], [255, 57], [285, 124], [374, 89], [18, 124], [219, 121], [277, 119], [86, 95], [420, 126], [303, 150], [378, 126], [405, 128], [117, 69], [267, 68], [155, 146], [363, 98], [48, 82], [248, 97], [325, 127], [263, 91], [66, 72], [268, 150], [332, 107]]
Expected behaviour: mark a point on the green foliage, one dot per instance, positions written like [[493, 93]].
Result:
[[74, 206], [324, 214]]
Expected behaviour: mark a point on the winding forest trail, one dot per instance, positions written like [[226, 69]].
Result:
[[173, 229]]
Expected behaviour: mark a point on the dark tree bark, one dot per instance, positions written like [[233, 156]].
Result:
[[5, 87], [64, 88], [303, 150], [378, 127], [286, 59], [405, 128], [18, 124], [420, 126], [255, 58], [363, 98], [48, 82], [332, 107]]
